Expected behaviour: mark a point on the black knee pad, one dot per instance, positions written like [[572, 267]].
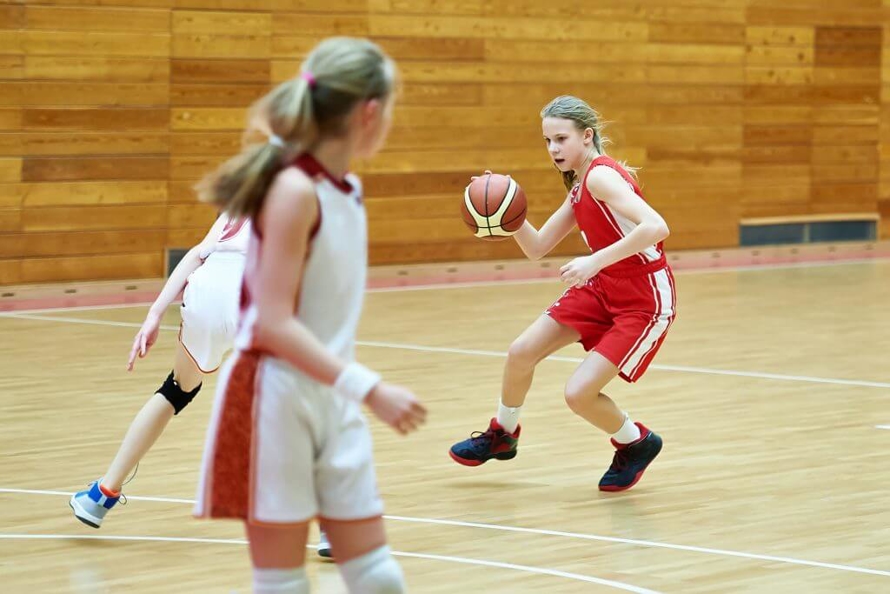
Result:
[[175, 395]]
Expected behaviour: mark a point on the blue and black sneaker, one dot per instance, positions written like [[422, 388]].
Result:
[[482, 446], [630, 461]]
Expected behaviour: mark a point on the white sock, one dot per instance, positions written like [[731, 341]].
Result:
[[508, 417], [628, 433], [280, 581]]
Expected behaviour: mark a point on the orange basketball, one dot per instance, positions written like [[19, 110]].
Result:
[[494, 207]]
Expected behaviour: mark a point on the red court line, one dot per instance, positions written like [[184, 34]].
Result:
[[394, 277]]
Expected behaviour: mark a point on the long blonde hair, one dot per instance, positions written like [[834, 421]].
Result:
[[294, 116], [568, 107]]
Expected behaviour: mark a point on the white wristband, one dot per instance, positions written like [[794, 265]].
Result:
[[356, 381]]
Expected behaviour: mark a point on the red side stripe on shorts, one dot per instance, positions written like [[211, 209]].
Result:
[[230, 474]]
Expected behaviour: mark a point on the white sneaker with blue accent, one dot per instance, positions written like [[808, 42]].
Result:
[[91, 505], [324, 547]]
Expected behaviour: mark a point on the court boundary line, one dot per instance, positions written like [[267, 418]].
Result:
[[557, 533], [430, 556], [500, 354]]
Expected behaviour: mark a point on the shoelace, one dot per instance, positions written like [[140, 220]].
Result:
[[123, 500], [619, 461], [480, 439]]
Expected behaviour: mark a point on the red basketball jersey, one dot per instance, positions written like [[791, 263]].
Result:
[[601, 225]]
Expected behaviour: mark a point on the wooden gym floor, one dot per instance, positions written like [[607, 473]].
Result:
[[771, 394]]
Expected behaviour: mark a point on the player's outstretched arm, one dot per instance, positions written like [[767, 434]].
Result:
[[148, 333]]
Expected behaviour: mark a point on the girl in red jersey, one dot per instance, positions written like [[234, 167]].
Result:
[[619, 304]]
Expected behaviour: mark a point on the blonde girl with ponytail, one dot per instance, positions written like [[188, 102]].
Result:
[[288, 441]]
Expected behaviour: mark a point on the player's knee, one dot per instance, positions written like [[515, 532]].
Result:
[[374, 573], [175, 395], [522, 353], [579, 394]]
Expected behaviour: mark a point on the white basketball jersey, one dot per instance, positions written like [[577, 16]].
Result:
[[235, 237], [333, 284]]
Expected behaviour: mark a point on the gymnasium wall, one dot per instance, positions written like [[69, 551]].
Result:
[[110, 110]]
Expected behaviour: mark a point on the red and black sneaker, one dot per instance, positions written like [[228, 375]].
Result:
[[483, 446], [630, 461]]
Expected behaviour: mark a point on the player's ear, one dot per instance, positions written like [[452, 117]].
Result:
[[371, 110]]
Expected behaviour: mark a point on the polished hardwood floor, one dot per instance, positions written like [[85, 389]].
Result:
[[769, 393]]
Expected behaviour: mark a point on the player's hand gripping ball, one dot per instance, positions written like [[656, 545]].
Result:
[[494, 206]]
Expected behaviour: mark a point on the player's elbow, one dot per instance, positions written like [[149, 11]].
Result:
[[534, 255], [661, 231]]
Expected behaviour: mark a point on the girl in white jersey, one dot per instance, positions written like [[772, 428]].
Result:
[[288, 442], [210, 275]]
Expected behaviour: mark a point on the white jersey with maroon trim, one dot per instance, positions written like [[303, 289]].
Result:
[[282, 448], [333, 284], [235, 237]]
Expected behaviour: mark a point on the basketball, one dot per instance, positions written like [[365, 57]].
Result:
[[494, 207]]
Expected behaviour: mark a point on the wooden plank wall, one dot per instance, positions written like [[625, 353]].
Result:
[[110, 110]]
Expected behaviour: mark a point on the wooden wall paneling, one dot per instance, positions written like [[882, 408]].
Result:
[[95, 267], [76, 218], [192, 167], [11, 239], [98, 68], [129, 119], [10, 170], [731, 108], [10, 220], [12, 245], [91, 94], [94, 143], [209, 118], [11, 271], [11, 41], [97, 18], [215, 95], [12, 67], [781, 14], [224, 144], [195, 70], [495, 27], [186, 238], [89, 43], [195, 214], [324, 6], [80, 243], [94, 193], [705, 33], [321, 26], [94, 168]]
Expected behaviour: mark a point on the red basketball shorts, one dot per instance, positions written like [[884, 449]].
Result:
[[623, 318]]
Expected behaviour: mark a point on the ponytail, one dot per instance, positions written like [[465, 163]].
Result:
[[293, 117]]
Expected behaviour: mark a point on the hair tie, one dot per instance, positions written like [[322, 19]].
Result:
[[276, 140], [308, 77]]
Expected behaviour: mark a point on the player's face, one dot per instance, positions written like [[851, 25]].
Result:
[[565, 143]]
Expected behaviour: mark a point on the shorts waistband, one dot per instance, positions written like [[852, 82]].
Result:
[[634, 271]]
